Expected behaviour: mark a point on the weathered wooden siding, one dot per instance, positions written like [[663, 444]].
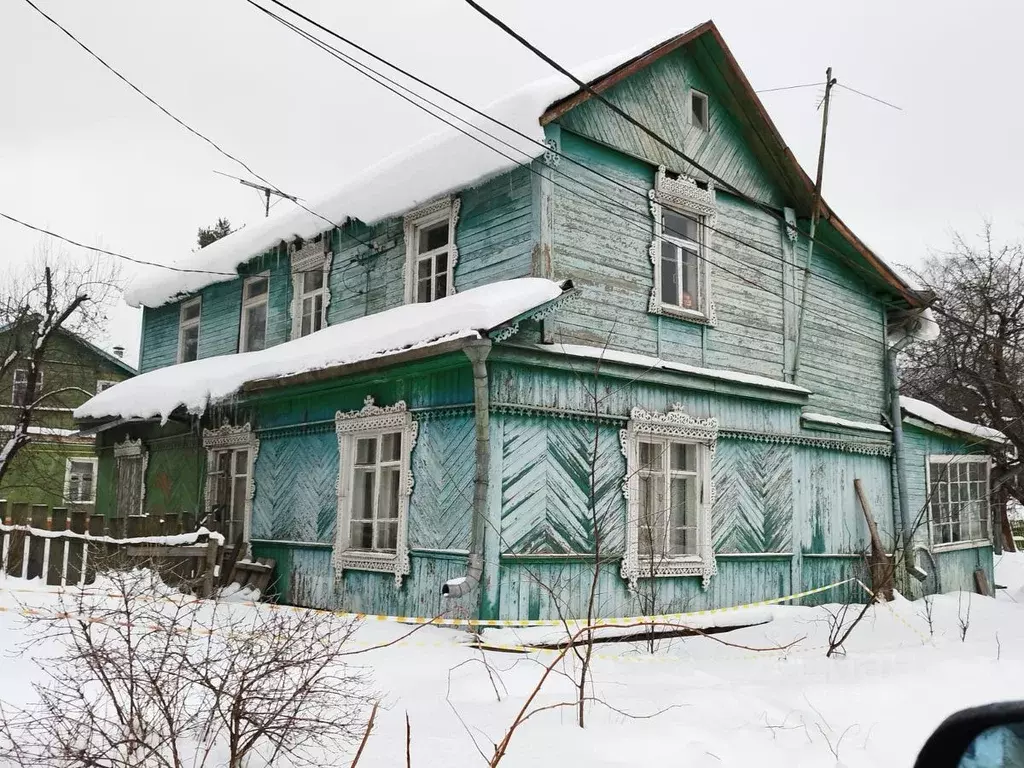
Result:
[[175, 477], [159, 337], [658, 96]]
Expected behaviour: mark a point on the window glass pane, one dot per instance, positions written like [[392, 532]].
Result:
[[312, 280], [423, 291], [689, 287], [423, 269], [441, 285], [190, 311], [255, 327], [362, 493], [435, 236], [242, 462], [318, 312], [679, 225], [361, 535], [387, 536], [391, 446], [190, 344], [651, 523], [683, 520], [684, 457], [387, 507], [237, 506], [650, 456], [669, 273], [699, 109], [366, 450], [257, 286]]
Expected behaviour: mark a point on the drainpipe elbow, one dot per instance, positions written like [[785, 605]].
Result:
[[463, 585]]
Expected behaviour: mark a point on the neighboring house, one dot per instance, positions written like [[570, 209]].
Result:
[[419, 401], [59, 466]]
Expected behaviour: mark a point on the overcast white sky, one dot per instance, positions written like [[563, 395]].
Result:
[[83, 155]]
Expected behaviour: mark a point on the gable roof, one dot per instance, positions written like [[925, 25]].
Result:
[[89, 347], [760, 133]]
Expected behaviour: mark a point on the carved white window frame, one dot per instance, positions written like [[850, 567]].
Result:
[[312, 256], [369, 420], [224, 438], [130, 450], [676, 426], [187, 324], [68, 465], [425, 216], [684, 195]]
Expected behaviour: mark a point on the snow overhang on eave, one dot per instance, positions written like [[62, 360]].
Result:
[[956, 434]]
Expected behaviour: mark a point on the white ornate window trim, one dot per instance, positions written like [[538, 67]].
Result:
[[372, 419], [685, 195], [68, 467], [226, 438], [426, 215], [130, 450], [679, 426], [315, 254]]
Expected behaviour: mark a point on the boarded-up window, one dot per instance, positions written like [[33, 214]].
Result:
[[130, 478]]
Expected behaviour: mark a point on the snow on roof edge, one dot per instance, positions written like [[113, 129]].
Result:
[[935, 415], [195, 385]]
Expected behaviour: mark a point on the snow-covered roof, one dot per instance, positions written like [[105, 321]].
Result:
[[651, 363], [836, 421], [935, 415], [444, 162], [195, 385]]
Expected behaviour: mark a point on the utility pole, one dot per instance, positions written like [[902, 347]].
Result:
[[267, 191], [815, 212]]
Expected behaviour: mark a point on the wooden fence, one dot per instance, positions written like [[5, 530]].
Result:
[[66, 547]]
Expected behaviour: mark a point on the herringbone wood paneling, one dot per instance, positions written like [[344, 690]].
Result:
[[546, 487], [753, 509], [296, 481], [443, 465]]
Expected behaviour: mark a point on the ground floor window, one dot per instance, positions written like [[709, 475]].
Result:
[[374, 448], [958, 491], [130, 460], [80, 480], [230, 458], [669, 492]]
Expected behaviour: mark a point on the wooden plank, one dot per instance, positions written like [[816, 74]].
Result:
[[981, 582]]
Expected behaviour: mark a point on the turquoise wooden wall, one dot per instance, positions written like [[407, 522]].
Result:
[[494, 237]]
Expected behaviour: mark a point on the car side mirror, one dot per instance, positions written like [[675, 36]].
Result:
[[982, 737]]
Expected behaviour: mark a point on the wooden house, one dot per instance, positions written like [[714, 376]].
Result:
[[466, 384], [58, 466]]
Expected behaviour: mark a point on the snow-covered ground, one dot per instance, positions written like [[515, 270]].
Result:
[[695, 702]]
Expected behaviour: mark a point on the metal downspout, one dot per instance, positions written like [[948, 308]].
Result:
[[463, 585], [899, 453]]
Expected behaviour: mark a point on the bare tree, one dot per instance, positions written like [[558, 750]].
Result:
[[975, 369], [55, 292], [169, 683]]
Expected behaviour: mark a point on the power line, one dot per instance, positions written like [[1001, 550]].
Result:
[[869, 96], [790, 87], [112, 253]]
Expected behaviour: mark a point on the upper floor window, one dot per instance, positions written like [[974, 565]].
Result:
[[19, 388], [431, 253], [188, 330], [255, 292], [374, 448], [102, 384], [958, 491], [699, 110], [311, 266], [684, 215]]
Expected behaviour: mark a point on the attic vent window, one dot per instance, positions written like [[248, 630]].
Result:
[[699, 110]]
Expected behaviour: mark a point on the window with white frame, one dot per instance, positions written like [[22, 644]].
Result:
[[130, 461], [311, 266], [958, 500], [230, 459], [80, 480], [431, 253], [253, 332], [102, 384], [669, 493], [699, 116], [188, 330], [19, 387], [684, 215], [374, 449]]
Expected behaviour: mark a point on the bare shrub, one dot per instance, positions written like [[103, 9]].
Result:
[[963, 615], [137, 680]]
